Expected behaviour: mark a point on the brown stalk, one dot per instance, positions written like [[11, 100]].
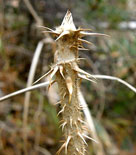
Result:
[[67, 75]]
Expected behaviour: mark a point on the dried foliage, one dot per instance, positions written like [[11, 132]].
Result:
[[112, 105], [68, 77]]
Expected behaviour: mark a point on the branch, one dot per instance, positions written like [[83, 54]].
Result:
[[115, 79], [44, 84]]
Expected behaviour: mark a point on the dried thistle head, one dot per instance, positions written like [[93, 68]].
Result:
[[68, 31], [67, 25], [67, 74], [69, 41]]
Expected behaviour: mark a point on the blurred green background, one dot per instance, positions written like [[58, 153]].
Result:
[[112, 104]]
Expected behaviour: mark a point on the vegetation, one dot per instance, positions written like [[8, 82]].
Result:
[[111, 104]]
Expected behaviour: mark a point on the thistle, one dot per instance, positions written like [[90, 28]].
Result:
[[68, 75]]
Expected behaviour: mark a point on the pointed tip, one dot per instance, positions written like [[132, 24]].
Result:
[[84, 77], [67, 23], [52, 32], [68, 12], [46, 74], [67, 18], [93, 34], [44, 27], [85, 41], [91, 138]]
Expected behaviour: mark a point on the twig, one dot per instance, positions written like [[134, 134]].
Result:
[[32, 69], [33, 12], [44, 84], [30, 80], [116, 79], [29, 83]]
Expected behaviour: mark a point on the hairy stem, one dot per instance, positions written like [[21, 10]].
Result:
[[72, 125]]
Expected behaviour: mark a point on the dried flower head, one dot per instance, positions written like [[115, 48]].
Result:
[[68, 75]]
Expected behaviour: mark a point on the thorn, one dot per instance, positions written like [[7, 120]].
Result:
[[79, 151], [76, 68], [69, 86], [63, 125], [57, 102], [84, 77], [78, 59], [90, 138], [66, 144], [46, 74], [54, 32], [51, 75], [54, 72], [61, 110], [80, 135], [58, 152], [79, 108], [62, 34], [50, 30], [94, 34], [61, 71], [85, 41], [81, 121], [64, 95], [76, 124], [50, 84]]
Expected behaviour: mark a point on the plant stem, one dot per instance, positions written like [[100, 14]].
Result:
[[72, 125]]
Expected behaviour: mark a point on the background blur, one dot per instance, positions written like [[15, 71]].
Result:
[[112, 104]]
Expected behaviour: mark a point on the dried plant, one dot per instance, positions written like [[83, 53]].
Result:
[[68, 76]]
